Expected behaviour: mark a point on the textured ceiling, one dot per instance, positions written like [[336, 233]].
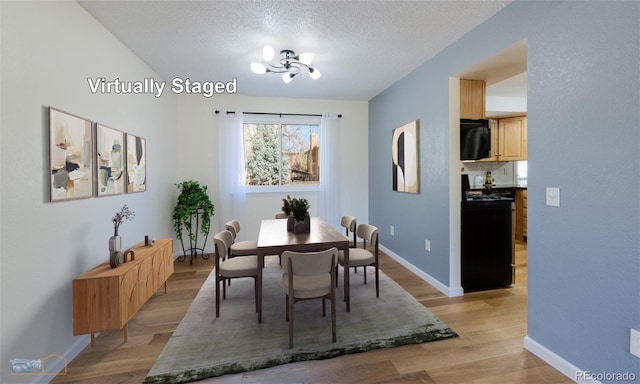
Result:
[[361, 47]]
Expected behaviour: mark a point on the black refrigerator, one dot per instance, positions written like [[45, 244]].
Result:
[[487, 248]]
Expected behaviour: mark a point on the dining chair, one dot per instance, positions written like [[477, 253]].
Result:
[[363, 257], [240, 248], [232, 268], [309, 275], [349, 224], [281, 215]]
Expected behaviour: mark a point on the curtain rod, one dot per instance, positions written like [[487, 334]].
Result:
[[278, 114]]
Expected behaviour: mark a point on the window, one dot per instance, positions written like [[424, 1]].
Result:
[[281, 154]]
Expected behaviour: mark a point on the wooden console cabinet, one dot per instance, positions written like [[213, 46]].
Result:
[[106, 298]]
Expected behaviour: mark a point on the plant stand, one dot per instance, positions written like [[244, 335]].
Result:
[[194, 220]]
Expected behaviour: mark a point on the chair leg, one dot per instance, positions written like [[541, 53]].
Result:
[[286, 306], [291, 322], [255, 292], [218, 295], [377, 282], [333, 315], [365, 274], [324, 311]]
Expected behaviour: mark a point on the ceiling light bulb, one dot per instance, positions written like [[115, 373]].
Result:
[[314, 73], [306, 58], [268, 52], [287, 77], [258, 68]]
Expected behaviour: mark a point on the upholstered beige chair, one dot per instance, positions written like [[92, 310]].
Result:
[[232, 268], [363, 257], [349, 225], [309, 275], [281, 215], [240, 248]]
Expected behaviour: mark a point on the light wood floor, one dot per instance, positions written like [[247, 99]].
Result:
[[491, 326]]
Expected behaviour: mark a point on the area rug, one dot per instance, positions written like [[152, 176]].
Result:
[[204, 346]]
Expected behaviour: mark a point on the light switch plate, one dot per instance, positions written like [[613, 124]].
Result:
[[553, 197]]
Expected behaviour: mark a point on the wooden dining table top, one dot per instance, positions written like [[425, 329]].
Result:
[[273, 233]]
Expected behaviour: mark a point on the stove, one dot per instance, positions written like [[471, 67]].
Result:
[[471, 197]]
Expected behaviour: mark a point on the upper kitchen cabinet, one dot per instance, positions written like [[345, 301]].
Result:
[[472, 99], [508, 139], [512, 139]]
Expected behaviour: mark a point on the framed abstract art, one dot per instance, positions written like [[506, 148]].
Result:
[[136, 164], [404, 158], [110, 150], [71, 162]]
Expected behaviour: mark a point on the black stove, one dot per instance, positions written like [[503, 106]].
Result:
[[487, 196], [471, 197]]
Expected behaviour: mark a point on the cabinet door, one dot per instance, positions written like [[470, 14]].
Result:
[[129, 295], [512, 142], [472, 99], [493, 128], [146, 281]]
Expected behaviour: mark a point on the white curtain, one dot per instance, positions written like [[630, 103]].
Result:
[[329, 195], [231, 179]]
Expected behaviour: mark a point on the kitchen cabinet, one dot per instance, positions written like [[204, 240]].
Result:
[[472, 99], [521, 214], [508, 139]]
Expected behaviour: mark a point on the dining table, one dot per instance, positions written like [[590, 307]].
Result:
[[274, 239]]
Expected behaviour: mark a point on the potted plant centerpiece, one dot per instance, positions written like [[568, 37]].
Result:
[[115, 241], [300, 215], [193, 208]]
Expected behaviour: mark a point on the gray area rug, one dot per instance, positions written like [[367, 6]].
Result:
[[203, 346]]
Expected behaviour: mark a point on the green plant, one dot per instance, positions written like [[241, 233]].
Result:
[[286, 205], [299, 207], [193, 197]]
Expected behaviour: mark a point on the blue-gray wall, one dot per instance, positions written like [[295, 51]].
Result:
[[583, 137]]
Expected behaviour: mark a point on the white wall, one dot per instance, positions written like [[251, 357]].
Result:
[[197, 144], [48, 51]]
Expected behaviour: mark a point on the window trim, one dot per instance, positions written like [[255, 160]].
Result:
[[286, 120]]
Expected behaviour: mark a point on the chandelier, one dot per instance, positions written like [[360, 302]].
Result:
[[290, 64]]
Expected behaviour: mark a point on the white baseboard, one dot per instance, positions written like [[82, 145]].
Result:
[[450, 292], [566, 368], [58, 365]]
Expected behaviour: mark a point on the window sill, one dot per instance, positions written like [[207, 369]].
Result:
[[290, 189]]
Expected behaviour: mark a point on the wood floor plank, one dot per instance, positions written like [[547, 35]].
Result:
[[491, 326]]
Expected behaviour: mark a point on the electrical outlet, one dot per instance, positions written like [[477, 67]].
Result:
[[427, 245], [634, 342], [553, 197], [391, 230]]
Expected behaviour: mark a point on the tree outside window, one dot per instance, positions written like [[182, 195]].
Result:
[[281, 154]]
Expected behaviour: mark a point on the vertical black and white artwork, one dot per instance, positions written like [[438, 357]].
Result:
[[404, 158]]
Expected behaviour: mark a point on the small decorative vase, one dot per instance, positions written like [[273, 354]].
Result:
[[116, 259], [290, 223], [302, 226], [299, 227], [115, 244]]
